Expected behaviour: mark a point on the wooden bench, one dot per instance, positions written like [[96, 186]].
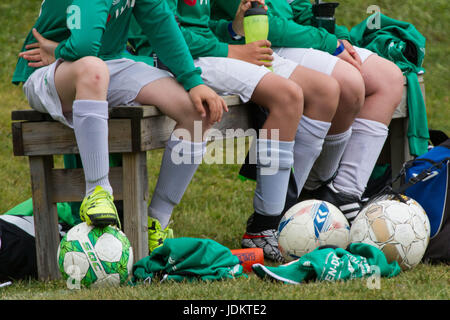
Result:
[[132, 132]]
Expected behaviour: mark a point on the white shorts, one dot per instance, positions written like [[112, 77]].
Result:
[[315, 59], [127, 78], [235, 77]]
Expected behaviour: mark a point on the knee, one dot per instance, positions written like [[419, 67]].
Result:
[[352, 91], [394, 82], [92, 72], [388, 81], [290, 102], [329, 92]]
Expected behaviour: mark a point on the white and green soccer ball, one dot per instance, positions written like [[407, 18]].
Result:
[[95, 257], [400, 228]]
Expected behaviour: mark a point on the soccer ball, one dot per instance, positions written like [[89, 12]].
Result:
[[398, 227], [95, 257], [310, 224]]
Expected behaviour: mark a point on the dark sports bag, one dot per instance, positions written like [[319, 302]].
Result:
[[17, 249], [426, 179]]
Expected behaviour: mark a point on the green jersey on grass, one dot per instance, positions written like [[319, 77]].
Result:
[[100, 28]]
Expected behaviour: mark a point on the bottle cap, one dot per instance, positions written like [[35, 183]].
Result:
[[255, 10]]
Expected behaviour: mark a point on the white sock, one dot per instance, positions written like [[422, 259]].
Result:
[[90, 123], [308, 145], [328, 161], [360, 156], [274, 162], [181, 159]]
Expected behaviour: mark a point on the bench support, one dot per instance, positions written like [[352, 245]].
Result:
[[45, 217]]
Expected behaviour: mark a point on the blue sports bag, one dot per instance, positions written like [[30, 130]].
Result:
[[426, 180]]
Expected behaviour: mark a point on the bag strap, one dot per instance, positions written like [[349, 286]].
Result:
[[420, 177]]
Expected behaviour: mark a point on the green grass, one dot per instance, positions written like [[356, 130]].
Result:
[[217, 203]]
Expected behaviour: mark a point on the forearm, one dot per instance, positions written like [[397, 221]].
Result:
[[85, 36], [287, 33]]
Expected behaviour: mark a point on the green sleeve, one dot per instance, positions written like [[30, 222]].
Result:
[[85, 38], [342, 33], [159, 25], [201, 40], [287, 33], [302, 10], [220, 29]]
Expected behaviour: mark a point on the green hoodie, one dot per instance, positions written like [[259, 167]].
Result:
[[100, 28], [194, 19], [290, 25], [201, 34]]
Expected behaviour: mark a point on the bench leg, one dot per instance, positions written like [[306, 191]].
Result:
[[45, 217], [135, 198], [399, 145]]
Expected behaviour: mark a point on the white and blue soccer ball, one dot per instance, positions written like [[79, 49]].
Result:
[[310, 224]]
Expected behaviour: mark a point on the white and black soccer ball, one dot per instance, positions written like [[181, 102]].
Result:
[[93, 257], [310, 224], [398, 226]]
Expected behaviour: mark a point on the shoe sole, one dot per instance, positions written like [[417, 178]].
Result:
[[100, 220]]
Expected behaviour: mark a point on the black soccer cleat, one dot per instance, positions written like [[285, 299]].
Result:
[[348, 204]]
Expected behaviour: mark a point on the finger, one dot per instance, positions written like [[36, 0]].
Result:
[[198, 104], [224, 104], [35, 58], [265, 58], [213, 109], [30, 52], [36, 64], [264, 63], [357, 58], [32, 45], [37, 35], [265, 51]]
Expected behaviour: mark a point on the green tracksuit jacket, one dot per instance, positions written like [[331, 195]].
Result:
[[100, 28], [290, 24], [188, 259], [329, 264], [403, 44]]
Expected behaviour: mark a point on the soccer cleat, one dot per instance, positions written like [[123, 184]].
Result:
[[266, 240], [98, 209], [157, 235], [349, 205]]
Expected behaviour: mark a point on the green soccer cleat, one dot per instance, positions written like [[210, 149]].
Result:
[[98, 209], [156, 235]]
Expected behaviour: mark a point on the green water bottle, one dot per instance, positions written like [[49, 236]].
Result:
[[256, 24]]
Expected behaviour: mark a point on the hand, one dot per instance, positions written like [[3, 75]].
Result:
[[41, 53], [255, 52], [351, 50], [202, 95], [347, 57], [238, 22]]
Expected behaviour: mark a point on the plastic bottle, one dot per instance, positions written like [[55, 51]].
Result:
[[256, 24]]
